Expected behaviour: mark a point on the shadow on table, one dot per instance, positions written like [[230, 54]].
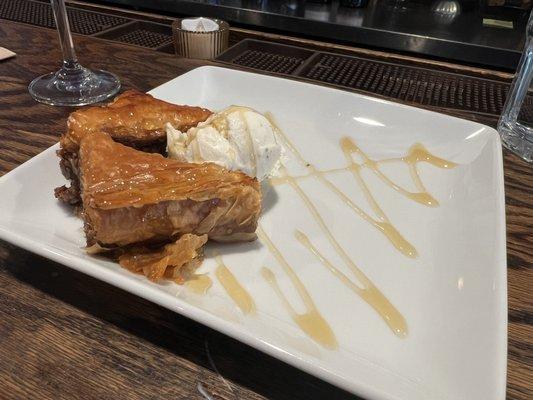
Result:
[[183, 337]]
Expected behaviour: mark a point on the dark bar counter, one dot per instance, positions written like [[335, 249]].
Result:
[[441, 29]]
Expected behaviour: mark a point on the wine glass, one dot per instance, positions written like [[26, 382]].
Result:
[[72, 85]]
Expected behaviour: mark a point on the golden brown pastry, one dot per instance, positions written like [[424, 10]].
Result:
[[172, 261], [131, 197], [134, 119]]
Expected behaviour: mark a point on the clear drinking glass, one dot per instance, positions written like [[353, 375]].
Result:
[[515, 128], [72, 85]]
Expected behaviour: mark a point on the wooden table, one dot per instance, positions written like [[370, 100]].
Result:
[[64, 335]]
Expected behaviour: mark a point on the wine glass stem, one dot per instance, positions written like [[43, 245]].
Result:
[[65, 38]]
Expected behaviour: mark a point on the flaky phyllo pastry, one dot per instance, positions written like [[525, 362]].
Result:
[[175, 261], [134, 119], [150, 213], [134, 197], [131, 198]]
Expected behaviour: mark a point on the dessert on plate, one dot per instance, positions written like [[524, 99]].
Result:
[[154, 214], [133, 197], [134, 119]]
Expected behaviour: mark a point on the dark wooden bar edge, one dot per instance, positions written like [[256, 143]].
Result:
[[65, 335]]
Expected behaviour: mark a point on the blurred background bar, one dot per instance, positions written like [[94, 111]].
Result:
[[488, 33]]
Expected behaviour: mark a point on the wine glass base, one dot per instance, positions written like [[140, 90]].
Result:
[[74, 87]]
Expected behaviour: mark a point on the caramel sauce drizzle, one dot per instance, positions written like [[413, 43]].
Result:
[[311, 322], [199, 284], [368, 292], [417, 153], [233, 288]]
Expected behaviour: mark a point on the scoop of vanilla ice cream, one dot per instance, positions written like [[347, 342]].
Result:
[[237, 138]]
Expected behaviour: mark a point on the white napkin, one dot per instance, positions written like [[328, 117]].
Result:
[[199, 25], [5, 53]]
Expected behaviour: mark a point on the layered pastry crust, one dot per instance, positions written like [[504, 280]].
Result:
[[134, 119], [174, 261], [131, 197]]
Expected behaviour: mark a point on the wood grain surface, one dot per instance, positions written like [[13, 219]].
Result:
[[64, 335]]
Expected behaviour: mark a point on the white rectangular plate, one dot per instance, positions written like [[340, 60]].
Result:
[[453, 296]]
